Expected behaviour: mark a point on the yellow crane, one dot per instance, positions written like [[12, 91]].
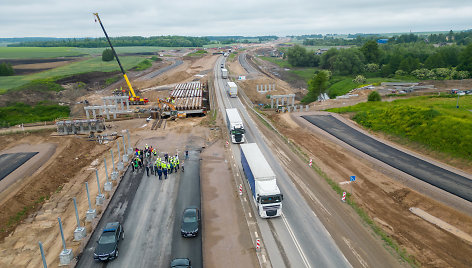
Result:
[[132, 96]]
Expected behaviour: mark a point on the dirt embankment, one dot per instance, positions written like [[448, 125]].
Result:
[[71, 155], [386, 200]]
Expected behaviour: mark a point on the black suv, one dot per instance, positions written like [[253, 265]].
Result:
[[190, 222], [107, 244]]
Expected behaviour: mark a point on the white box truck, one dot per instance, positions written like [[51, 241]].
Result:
[[224, 73], [262, 180], [232, 89], [235, 125]]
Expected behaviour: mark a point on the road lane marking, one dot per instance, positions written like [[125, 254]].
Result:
[[256, 234], [359, 258], [307, 191], [263, 258], [245, 200], [250, 215], [299, 248]]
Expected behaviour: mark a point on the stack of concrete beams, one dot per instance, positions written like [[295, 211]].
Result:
[[188, 96]]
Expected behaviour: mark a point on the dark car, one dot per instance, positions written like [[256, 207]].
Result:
[[107, 244], [190, 222], [180, 263]]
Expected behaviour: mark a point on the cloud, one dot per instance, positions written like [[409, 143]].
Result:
[[210, 17]]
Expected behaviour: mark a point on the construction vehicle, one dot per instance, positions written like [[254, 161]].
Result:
[[133, 99], [173, 111]]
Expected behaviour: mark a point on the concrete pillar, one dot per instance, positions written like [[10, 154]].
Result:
[[91, 213], [257, 88], [94, 114], [66, 255], [277, 102], [127, 104], [108, 184], [87, 113], [274, 87], [125, 155], [120, 164], [293, 100], [130, 149], [100, 197], [283, 100], [271, 103], [79, 232], [265, 88]]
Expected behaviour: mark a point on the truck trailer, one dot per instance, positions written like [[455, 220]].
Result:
[[224, 73], [232, 90], [235, 125], [262, 181]]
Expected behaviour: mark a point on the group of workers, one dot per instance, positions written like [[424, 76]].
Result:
[[151, 161]]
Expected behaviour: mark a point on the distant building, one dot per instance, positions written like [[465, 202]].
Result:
[[382, 41], [321, 51]]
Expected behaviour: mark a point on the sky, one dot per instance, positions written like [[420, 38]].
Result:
[[73, 18]]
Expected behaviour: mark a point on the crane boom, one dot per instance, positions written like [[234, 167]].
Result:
[[116, 56]]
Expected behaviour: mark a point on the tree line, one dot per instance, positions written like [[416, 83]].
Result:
[[160, 41], [418, 59], [459, 38]]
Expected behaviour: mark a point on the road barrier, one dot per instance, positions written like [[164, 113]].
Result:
[[311, 162], [344, 197], [258, 245], [240, 189]]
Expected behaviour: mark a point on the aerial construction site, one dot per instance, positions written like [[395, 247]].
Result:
[[271, 181]]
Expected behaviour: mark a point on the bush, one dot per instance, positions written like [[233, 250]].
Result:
[[360, 79], [372, 68], [374, 96], [400, 73], [107, 55], [143, 65], [6, 69]]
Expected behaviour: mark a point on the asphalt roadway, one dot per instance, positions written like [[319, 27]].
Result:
[[297, 238], [150, 211], [159, 71], [248, 67], [425, 171], [10, 162]]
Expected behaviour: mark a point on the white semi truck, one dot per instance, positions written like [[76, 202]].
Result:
[[235, 125], [262, 180], [232, 90], [224, 73]]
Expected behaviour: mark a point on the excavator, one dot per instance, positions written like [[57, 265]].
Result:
[[173, 111], [133, 99]]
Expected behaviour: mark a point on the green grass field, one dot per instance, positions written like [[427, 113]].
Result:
[[341, 85], [37, 52], [22, 113], [54, 52], [433, 121], [84, 66]]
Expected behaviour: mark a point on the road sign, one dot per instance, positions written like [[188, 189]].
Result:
[[352, 178]]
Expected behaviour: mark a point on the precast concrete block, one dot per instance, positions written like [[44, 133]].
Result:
[[65, 257], [130, 151], [114, 176], [100, 199], [108, 186], [80, 233], [90, 215], [125, 158], [120, 166]]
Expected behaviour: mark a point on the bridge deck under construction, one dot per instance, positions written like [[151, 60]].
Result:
[[188, 98]]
